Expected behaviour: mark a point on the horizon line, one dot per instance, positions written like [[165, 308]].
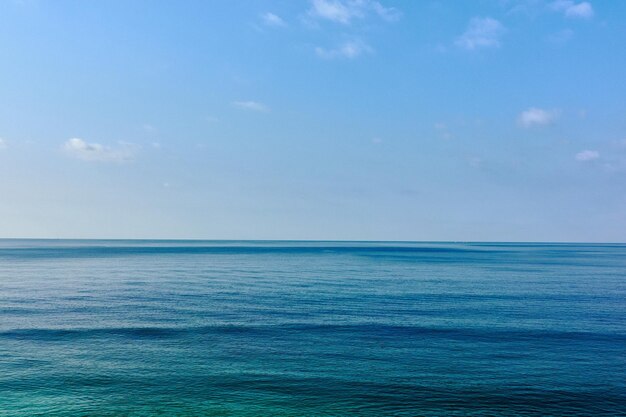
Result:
[[313, 240]]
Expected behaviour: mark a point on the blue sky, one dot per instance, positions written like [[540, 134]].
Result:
[[326, 119]]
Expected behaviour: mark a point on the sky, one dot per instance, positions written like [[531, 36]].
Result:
[[486, 120]]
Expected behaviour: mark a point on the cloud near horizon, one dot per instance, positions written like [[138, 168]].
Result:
[[79, 149], [481, 32]]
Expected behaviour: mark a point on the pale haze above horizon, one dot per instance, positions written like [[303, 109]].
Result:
[[494, 120]]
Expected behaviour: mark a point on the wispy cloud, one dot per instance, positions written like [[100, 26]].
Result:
[[614, 160], [561, 37], [78, 148], [482, 32], [475, 162], [587, 155], [3, 144], [389, 14], [443, 130], [252, 106], [148, 128], [570, 9], [534, 117], [334, 10], [345, 11], [271, 19], [348, 50]]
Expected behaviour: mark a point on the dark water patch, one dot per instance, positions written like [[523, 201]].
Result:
[[71, 334], [489, 334], [23, 311], [112, 251], [294, 330]]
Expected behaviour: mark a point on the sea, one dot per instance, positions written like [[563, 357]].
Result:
[[282, 328]]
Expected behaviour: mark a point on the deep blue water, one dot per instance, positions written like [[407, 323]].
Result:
[[140, 328]]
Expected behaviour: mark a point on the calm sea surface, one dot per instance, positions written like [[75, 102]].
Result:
[[175, 328]]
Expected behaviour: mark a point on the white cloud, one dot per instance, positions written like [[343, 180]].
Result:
[[78, 148], [345, 11], [270, 19], [333, 10], [587, 155], [482, 32], [252, 106], [349, 50], [3, 144], [570, 9], [536, 117]]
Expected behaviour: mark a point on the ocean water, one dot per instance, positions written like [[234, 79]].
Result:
[[177, 328]]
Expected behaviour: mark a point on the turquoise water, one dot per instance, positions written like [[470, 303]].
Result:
[[322, 328]]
